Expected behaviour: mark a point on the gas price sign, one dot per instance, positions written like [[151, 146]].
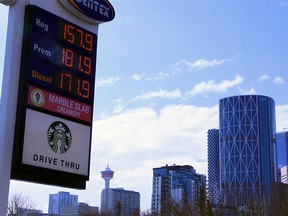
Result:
[[68, 51], [56, 94]]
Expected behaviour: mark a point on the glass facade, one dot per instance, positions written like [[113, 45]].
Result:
[[175, 183], [56, 201], [282, 148], [247, 137], [213, 165]]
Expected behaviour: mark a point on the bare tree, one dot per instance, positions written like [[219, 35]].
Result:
[[18, 202], [146, 212]]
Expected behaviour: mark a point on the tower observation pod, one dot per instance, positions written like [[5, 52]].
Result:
[[107, 175]]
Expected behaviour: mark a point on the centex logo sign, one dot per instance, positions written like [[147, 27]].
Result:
[[96, 11]]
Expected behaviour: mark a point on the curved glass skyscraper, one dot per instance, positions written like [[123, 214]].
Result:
[[247, 132]]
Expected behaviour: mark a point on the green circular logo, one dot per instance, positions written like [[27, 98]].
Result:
[[59, 137]]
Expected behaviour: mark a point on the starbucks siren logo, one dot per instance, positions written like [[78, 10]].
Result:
[[59, 137]]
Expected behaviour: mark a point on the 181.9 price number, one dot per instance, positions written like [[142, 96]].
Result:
[[79, 62]]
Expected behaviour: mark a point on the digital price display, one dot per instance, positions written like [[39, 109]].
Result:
[[61, 55], [61, 80], [55, 104]]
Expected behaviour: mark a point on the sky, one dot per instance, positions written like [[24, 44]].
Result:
[[162, 67]]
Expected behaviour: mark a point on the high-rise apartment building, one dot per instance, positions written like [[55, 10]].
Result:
[[79, 210], [248, 162], [284, 174], [56, 201], [282, 155], [282, 148], [117, 201], [179, 184], [213, 165]]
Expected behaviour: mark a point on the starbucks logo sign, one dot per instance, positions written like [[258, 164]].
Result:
[[59, 137]]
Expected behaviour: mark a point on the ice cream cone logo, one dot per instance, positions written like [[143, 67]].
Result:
[[37, 97]]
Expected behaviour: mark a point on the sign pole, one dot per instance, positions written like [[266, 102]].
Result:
[[9, 97]]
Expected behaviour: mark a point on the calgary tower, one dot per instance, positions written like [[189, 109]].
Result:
[[107, 175]]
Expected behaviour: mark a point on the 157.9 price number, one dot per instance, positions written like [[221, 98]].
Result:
[[77, 36]]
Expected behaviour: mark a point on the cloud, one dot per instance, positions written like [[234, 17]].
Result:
[[183, 65], [119, 106], [263, 77], [247, 91], [203, 63], [137, 76], [145, 129], [107, 81], [281, 117], [211, 86], [164, 75], [283, 4], [278, 80], [159, 94], [138, 140], [160, 76]]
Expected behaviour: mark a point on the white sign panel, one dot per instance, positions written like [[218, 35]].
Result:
[[55, 143]]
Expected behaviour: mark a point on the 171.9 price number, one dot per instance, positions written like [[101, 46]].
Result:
[[72, 84]]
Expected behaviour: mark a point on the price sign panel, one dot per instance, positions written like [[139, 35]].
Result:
[[55, 104]]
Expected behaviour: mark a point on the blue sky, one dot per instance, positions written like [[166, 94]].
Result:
[[161, 69]]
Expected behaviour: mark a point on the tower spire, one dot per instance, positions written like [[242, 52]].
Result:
[[107, 175]]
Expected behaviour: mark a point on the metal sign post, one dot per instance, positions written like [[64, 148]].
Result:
[[9, 97]]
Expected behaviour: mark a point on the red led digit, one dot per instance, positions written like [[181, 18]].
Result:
[[86, 88], [70, 81], [81, 38], [65, 31], [89, 42], [80, 63], [63, 81], [67, 57], [88, 64], [78, 87], [85, 64], [68, 34]]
